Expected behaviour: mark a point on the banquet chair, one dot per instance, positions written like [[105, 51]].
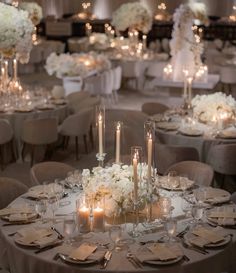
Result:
[[152, 108], [77, 125], [222, 159], [131, 70], [76, 98], [117, 77], [90, 102], [10, 189], [6, 142], [167, 155], [233, 197], [94, 84], [37, 133], [201, 173], [227, 78], [49, 171]]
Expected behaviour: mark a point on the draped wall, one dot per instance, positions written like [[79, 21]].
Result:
[[104, 8]]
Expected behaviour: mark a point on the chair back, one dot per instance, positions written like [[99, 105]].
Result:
[[167, 155], [222, 158], [233, 197], [152, 108], [117, 77], [77, 97], [77, 124], [6, 132], [201, 173], [49, 171], [10, 189], [94, 84], [39, 131], [131, 69], [227, 74], [90, 102]]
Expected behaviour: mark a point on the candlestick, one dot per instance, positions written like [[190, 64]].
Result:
[[118, 138], [100, 134], [100, 118], [98, 219], [190, 81], [6, 70], [144, 42], [15, 69], [135, 177], [149, 144], [185, 72]]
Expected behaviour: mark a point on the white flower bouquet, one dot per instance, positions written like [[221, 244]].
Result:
[[66, 65], [115, 185], [132, 15], [34, 10], [15, 33], [207, 108]]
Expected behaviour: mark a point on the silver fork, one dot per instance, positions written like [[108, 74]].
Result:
[[134, 260]]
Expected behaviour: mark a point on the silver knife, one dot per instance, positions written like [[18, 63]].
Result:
[[107, 258]]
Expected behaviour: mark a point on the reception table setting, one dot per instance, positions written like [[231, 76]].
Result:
[[120, 218]]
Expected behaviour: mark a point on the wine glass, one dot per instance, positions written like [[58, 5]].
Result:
[[186, 206], [115, 233], [69, 226], [41, 208], [170, 227], [197, 213]]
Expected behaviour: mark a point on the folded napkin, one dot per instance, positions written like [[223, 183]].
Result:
[[37, 236], [18, 217], [83, 252], [14, 210], [205, 235], [159, 251], [216, 194], [223, 216]]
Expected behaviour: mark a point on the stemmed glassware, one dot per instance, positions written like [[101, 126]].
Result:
[[69, 226], [115, 233], [170, 225], [41, 208]]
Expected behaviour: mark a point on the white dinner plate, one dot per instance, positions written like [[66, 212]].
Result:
[[164, 184], [191, 132], [167, 262], [67, 259], [168, 126]]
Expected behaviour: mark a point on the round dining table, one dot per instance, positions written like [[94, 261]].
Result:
[[24, 259], [202, 143]]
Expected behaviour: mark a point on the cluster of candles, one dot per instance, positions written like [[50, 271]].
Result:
[[90, 218], [168, 72], [109, 31], [135, 151], [221, 119], [202, 74], [188, 81]]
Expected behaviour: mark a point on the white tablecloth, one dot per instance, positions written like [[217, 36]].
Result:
[[23, 260]]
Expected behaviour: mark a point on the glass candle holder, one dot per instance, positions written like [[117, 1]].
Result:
[[83, 215], [98, 216], [100, 124]]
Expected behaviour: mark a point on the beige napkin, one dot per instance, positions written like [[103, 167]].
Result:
[[224, 215], [18, 217], [37, 236], [83, 252], [14, 210], [160, 252], [206, 236], [216, 195]]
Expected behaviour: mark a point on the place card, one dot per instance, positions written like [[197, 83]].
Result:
[[83, 252]]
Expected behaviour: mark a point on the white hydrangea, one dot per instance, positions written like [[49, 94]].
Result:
[[115, 184], [34, 10], [75, 64], [15, 33], [132, 15], [207, 107]]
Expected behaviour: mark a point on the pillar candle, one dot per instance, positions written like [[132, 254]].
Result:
[[135, 177], [149, 155], [98, 219], [100, 134], [185, 83], [84, 219], [144, 41], [118, 143]]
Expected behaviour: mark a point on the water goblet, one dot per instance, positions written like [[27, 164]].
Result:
[[69, 226], [115, 233], [41, 208], [197, 213], [170, 227]]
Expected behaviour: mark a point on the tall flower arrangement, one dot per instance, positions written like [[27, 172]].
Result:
[[186, 48], [34, 10], [132, 15], [15, 33]]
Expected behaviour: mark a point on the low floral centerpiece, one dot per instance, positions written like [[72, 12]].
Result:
[[15, 33], [210, 108], [115, 185], [71, 65], [34, 10], [132, 16]]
